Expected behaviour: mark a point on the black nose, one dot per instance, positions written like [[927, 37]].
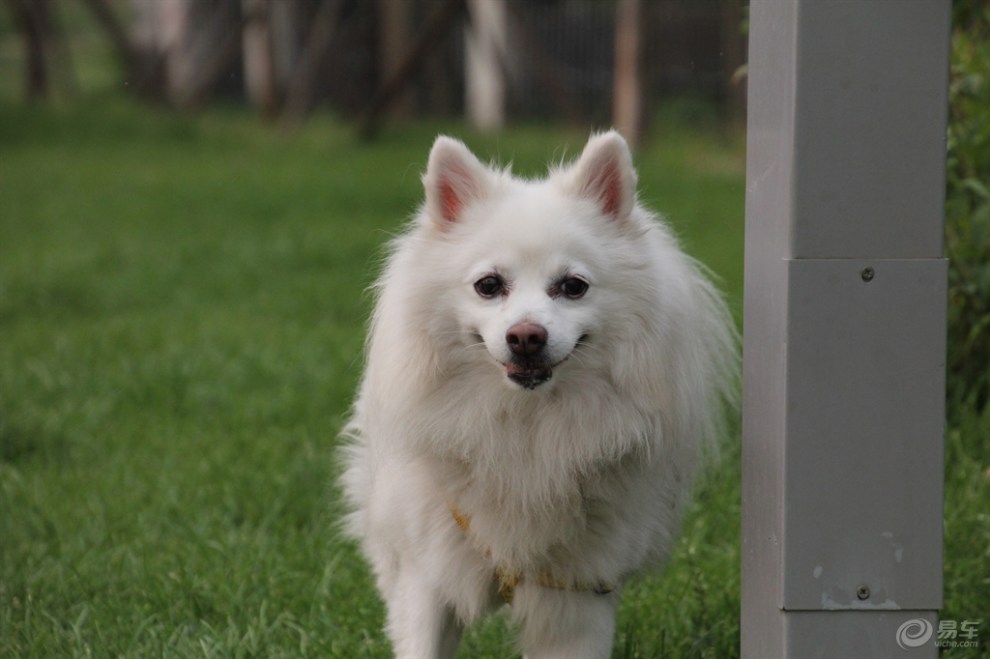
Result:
[[526, 339]]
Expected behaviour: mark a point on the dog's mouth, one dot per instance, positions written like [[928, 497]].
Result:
[[530, 375]]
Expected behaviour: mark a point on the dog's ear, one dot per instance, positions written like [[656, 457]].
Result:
[[604, 174], [454, 178]]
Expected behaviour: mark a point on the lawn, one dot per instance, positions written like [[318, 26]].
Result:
[[182, 311]]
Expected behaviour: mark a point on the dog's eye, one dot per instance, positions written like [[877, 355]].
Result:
[[573, 288], [490, 286]]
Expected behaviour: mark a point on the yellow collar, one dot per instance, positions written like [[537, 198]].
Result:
[[507, 579]]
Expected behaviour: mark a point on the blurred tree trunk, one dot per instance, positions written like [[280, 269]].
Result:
[[148, 38], [259, 56], [484, 71], [161, 31], [33, 18], [195, 43], [209, 48], [432, 35], [274, 34], [173, 38], [304, 85], [142, 66], [394, 37], [47, 60], [535, 56], [288, 29], [627, 100]]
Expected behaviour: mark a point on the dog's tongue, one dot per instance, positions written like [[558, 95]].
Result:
[[529, 376]]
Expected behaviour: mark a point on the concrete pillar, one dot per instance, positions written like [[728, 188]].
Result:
[[844, 323]]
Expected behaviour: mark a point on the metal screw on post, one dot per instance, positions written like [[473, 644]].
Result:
[[867, 274], [863, 592]]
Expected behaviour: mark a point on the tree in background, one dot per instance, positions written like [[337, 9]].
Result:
[[46, 56]]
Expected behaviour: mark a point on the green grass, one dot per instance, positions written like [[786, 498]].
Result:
[[182, 311], [967, 525]]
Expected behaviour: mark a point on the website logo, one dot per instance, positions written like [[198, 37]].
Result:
[[914, 633], [950, 633]]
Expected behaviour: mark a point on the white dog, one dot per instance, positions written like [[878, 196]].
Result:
[[543, 368]]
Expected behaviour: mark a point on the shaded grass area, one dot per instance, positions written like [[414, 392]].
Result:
[[182, 311], [181, 332]]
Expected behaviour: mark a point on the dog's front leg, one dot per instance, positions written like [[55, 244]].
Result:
[[564, 624], [420, 624]]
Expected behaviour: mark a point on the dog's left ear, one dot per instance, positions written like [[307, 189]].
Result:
[[604, 174]]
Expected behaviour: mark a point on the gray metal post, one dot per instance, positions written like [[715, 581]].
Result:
[[844, 348]]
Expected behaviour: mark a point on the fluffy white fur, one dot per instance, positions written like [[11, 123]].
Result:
[[582, 476]]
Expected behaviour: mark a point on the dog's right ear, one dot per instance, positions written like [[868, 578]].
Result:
[[454, 179]]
